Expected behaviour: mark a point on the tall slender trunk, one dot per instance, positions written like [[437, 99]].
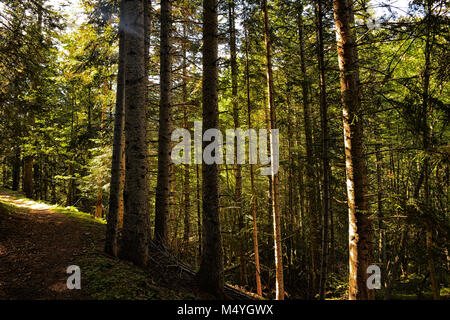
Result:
[[71, 186], [356, 172], [136, 224], [237, 167], [381, 235], [115, 214], [210, 275], [199, 217], [187, 173], [325, 159], [274, 190], [162, 201], [310, 170], [252, 169], [16, 169], [426, 145]]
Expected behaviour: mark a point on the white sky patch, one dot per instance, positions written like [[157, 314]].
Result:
[[400, 7], [73, 9]]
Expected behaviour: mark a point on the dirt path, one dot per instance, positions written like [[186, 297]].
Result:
[[37, 245]]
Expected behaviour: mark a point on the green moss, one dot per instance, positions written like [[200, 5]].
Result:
[[107, 278]]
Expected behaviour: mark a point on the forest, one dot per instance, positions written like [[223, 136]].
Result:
[[225, 149]]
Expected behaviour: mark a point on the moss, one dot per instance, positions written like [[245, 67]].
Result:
[[107, 278]]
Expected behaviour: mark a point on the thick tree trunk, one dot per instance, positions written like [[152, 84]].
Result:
[[162, 202], [356, 172], [275, 182], [210, 275], [136, 224], [115, 214]]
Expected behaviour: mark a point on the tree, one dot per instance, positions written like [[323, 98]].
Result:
[[356, 171], [252, 169], [310, 175], [135, 234], [325, 158], [274, 176], [116, 188], [163, 184], [210, 275]]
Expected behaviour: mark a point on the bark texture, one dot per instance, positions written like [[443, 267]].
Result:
[[118, 159], [136, 228], [279, 282], [210, 275], [360, 250], [162, 205]]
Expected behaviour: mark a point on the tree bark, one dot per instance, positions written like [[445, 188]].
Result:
[[27, 183], [187, 173], [237, 167], [274, 190], [325, 158], [136, 224], [162, 202], [252, 179], [310, 175], [356, 172], [210, 275], [426, 145], [115, 214], [16, 170]]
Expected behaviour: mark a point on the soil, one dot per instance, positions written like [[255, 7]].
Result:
[[36, 247]]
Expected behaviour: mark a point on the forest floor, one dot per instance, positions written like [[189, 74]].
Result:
[[38, 242]]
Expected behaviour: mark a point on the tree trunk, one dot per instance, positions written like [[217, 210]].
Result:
[[162, 201], [381, 235], [115, 214], [325, 160], [252, 179], [136, 224], [16, 170], [426, 145], [210, 275], [187, 173], [237, 167], [99, 205], [356, 172], [310, 175], [27, 183], [199, 216], [274, 190]]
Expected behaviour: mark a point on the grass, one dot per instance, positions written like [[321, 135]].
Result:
[[24, 202]]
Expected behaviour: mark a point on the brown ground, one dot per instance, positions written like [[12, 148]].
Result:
[[36, 247], [37, 244]]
